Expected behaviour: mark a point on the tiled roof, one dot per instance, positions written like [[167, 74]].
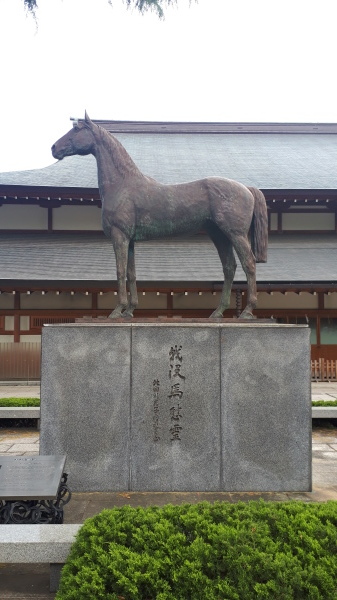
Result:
[[37, 257], [265, 160]]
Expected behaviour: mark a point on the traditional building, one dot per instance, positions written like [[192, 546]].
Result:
[[56, 265]]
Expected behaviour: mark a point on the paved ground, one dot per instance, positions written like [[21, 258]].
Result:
[[19, 391], [21, 582], [324, 391]]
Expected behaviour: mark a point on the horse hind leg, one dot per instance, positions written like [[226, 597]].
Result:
[[226, 254], [247, 260]]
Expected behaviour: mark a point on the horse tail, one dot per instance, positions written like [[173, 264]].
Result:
[[259, 227]]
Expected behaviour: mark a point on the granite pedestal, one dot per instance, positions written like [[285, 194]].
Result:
[[178, 406]]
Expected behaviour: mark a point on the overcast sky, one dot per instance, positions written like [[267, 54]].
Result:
[[217, 60]]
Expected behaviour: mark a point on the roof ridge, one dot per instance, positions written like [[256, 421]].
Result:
[[215, 127]]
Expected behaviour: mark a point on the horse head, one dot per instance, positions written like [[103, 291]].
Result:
[[79, 140]]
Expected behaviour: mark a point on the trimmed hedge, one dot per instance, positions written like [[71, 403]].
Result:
[[324, 402], [19, 401], [36, 402], [222, 551]]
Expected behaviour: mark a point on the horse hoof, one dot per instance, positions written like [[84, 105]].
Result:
[[127, 315], [247, 315]]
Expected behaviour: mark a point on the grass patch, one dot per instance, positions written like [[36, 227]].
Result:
[[19, 402], [36, 402], [324, 402], [222, 551]]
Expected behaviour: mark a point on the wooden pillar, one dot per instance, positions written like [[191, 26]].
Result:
[[50, 219], [318, 331], [279, 222], [94, 301], [16, 317], [238, 302], [169, 304], [318, 318]]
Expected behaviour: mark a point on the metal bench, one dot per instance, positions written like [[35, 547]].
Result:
[[38, 544]]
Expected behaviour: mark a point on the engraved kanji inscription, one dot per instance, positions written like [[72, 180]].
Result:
[[177, 386], [155, 420]]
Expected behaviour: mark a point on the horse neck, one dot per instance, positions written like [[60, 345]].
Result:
[[107, 173], [114, 165]]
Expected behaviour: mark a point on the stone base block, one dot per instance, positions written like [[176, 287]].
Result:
[[178, 407]]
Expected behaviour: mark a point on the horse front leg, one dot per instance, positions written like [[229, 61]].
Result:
[[121, 244], [131, 277]]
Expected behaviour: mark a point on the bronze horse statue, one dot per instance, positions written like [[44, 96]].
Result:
[[136, 207]]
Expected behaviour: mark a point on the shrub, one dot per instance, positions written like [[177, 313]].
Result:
[[19, 401], [324, 402], [222, 551]]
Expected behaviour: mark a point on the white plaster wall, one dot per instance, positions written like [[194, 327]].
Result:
[[6, 338], [9, 323], [151, 300], [193, 300], [30, 338], [23, 217], [6, 301], [301, 221], [289, 300], [24, 323], [330, 301], [273, 221], [86, 218], [36, 300], [107, 301]]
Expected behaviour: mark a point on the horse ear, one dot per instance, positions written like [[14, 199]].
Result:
[[87, 119]]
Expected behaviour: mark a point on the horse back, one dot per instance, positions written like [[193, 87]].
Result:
[[168, 210], [231, 204]]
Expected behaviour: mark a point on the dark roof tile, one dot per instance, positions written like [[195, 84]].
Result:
[[69, 258], [264, 160]]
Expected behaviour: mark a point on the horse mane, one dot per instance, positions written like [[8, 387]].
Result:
[[121, 159]]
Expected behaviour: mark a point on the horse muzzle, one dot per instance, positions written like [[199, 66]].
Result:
[[56, 153]]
